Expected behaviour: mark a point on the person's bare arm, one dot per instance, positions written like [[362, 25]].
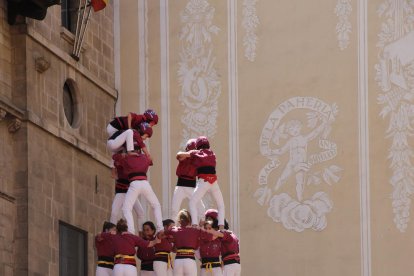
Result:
[[145, 150], [181, 155], [154, 242], [215, 233], [129, 119]]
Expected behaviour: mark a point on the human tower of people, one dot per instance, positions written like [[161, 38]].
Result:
[[200, 234]]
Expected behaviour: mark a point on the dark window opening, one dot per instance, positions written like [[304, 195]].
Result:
[[73, 250], [69, 10], [68, 103]]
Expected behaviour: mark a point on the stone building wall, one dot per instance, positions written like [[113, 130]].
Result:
[[52, 171], [6, 54]]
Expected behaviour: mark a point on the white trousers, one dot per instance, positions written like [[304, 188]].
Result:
[[202, 188], [216, 271], [115, 145], [124, 270], [103, 271], [181, 193], [162, 269], [110, 130], [147, 273], [185, 267], [136, 188], [232, 270], [116, 212]]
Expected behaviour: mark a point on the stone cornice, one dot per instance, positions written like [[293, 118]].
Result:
[[69, 138], [16, 116], [10, 108], [12, 114], [33, 34]]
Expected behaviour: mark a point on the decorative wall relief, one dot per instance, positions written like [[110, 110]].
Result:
[[343, 28], [395, 77], [250, 23], [197, 76], [301, 153]]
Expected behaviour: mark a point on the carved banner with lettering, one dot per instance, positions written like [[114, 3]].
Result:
[[300, 129]]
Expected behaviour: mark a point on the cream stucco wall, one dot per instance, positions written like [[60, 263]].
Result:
[[312, 62]]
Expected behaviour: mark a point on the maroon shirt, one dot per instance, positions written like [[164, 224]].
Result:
[[121, 123], [146, 254], [188, 237], [138, 140], [210, 248], [204, 158], [205, 161], [104, 246], [164, 246], [125, 243], [229, 245], [186, 169], [122, 182], [135, 166]]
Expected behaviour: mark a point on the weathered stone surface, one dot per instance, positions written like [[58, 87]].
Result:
[[48, 168]]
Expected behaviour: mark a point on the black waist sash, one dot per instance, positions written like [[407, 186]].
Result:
[[183, 182], [206, 170], [210, 262], [147, 265], [105, 261]]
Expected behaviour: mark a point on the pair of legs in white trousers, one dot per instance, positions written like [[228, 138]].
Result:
[[162, 269], [110, 130], [202, 188], [185, 267], [103, 271], [181, 193], [147, 273], [232, 270], [124, 270], [116, 212], [136, 188], [215, 271], [116, 144]]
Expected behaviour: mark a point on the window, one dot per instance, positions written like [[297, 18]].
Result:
[[69, 9], [73, 250], [68, 103], [71, 103]]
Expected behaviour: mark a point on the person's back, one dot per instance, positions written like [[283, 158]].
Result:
[[135, 166], [230, 244], [185, 237], [186, 240], [230, 253], [186, 169], [203, 158]]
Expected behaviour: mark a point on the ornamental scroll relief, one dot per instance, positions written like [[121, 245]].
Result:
[[300, 151], [343, 28], [395, 77], [197, 75], [250, 22]]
